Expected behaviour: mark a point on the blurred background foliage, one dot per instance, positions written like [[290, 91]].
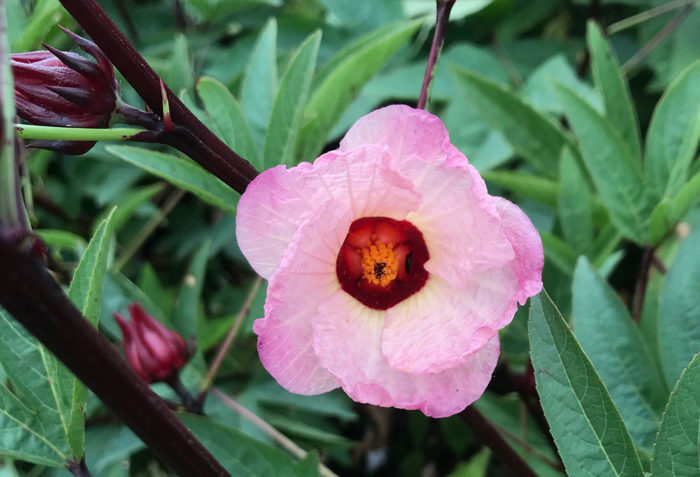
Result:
[[236, 62]]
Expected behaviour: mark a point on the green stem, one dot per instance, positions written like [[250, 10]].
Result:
[[646, 15], [31, 131], [9, 207]]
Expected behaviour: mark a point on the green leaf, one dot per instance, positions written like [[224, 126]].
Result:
[[341, 80], [227, 118], [182, 173], [187, 308], [587, 427], [608, 161], [616, 348], [237, 452], [86, 293], [677, 448], [612, 86], [539, 89], [260, 83], [45, 14], [180, 74], [679, 309], [559, 253], [544, 191], [674, 133], [308, 466], [126, 207], [574, 205], [670, 211], [531, 133], [286, 116], [31, 426]]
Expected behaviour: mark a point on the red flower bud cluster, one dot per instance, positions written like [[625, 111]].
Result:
[[155, 352], [59, 88]]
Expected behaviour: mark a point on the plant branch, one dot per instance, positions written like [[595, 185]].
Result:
[[669, 28], [29, 293], [442, 17], [490, 436], [284, 442], [228, 341], [200, 144]]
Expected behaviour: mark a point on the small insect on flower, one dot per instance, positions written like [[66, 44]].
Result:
[[390, 267]]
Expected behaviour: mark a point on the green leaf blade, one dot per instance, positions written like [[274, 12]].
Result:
[[587, 427], [574, 204], [182, 173], [227, 117], [532, 134], [31, 427], [237, 452], [612, 86], [339, 82], [616, 348], [679, 309], [86, 293], [608, 161], [288, 109], [260, 83], [674, 133], [185, 317], [677, 448]]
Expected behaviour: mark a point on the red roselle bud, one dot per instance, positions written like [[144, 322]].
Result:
[[155, 352], [59, 88]]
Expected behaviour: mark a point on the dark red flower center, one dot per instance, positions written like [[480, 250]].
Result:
[[381, 261]]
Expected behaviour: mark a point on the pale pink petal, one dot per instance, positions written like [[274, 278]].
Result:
[[279, 199], [458, 219], [529, 256], [403, 130], [305, 279], [439, 327], [347, 340]]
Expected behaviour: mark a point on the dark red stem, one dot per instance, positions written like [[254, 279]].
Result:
[[489, 435], [642, 283], [28, 292], [442, 17], [201, 144]]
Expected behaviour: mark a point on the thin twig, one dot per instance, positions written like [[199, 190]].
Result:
[[29, 293], [669, 28], [284, 442], [228, 341], [645, 16], [442, 17], [490, 436], [148, 229]]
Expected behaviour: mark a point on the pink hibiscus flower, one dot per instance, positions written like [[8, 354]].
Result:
[[390, 267]]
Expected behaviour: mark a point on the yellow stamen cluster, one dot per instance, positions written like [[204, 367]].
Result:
[[379, 263]]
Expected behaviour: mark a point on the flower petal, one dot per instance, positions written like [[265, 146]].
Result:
[[457, 217], [279, 199], [440, 327], [305, 278], [403, 130], [527, 244], [347, 340]]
